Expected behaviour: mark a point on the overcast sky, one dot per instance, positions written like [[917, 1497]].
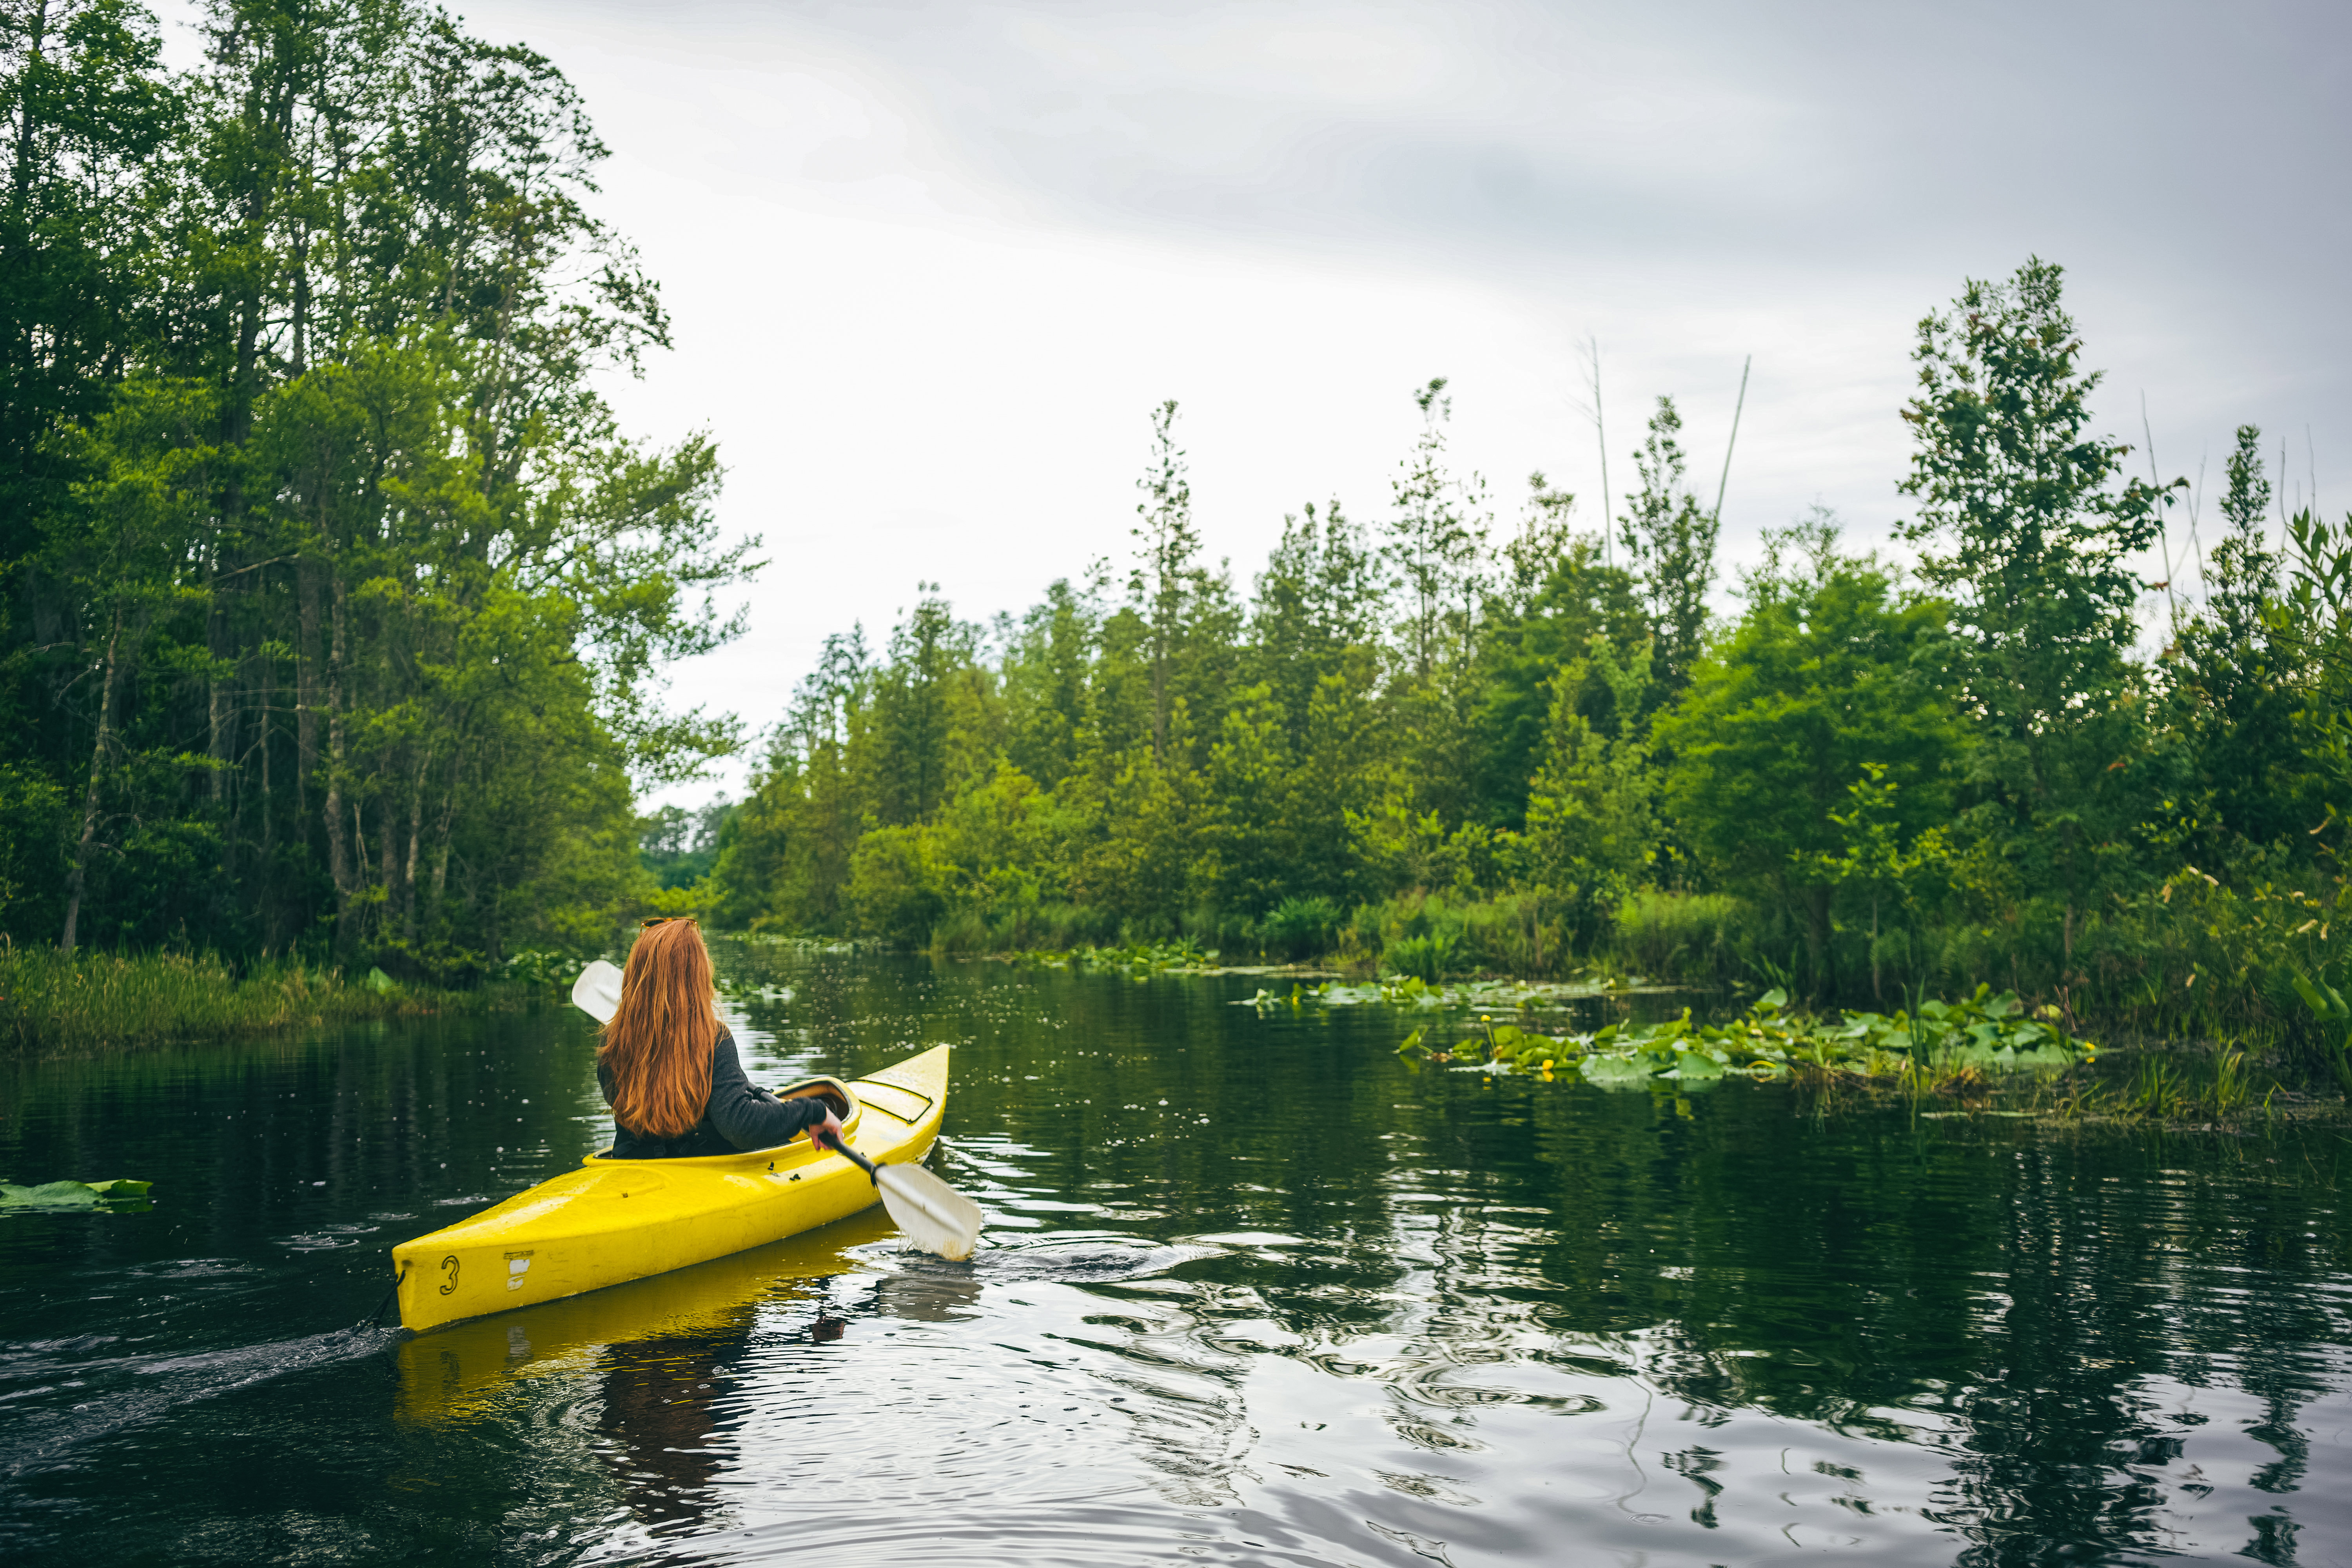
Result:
[[930, 266]]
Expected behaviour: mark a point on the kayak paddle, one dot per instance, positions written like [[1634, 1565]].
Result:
[[597, 992], [927, 1212]]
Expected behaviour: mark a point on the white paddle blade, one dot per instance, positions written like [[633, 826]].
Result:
[[927, 1212], [597, 992]]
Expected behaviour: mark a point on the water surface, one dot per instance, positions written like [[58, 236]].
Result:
[[1254, 1292]]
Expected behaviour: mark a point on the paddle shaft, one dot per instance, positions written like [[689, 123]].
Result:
[[833, 1143]]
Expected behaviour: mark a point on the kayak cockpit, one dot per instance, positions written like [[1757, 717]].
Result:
[[838, 1097]]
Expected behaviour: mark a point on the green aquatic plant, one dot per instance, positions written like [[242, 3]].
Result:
[[1413, 991], [1980, 1035], [119, 1196], [1139, 958], [1424, 958], [2333, 1013]]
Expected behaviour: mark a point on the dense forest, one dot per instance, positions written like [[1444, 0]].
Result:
[[337, 604], [1447, 744], [336, 601]]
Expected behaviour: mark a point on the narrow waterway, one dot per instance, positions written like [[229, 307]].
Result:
[[1254, 1291]]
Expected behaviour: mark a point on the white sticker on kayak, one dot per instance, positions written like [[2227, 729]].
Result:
[[518, 1265]]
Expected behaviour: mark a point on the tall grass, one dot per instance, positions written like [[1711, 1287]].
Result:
[[1683, 936], [1024, 927], [94, 1000]]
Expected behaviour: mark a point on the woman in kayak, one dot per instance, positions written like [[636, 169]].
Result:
[[668, 1065]]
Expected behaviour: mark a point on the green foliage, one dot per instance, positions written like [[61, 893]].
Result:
[[1690, 935], [32, 849], [1670, 541], [1831, 677], [1980, 1033], [1302, 928], [339, 601], [896, 884], [1424, 760], [1592, 825], [2026, 532], [95, 1000], [677, 846], [1553, 597], [1421, 957], [121, 1195], [2243, 777], [2333, 1014]]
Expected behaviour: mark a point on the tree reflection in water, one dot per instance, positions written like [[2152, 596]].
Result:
[[663, 1419]]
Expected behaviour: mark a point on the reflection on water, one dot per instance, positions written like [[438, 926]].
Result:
[[660, 1419], [1253, 1291]]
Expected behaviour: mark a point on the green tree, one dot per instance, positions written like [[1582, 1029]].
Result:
[[923, 715], [1553, 597], [1166, 580], [117, 554], [2024, 529], [1592, 817], [337, 596], [1669, 541], [1319, 604], [1047, 678], [2246, 769], [1433, 542], [85, 112], [1831, 670]]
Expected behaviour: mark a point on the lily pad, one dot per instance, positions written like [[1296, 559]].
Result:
[[72, 1194], [1616, 1072]]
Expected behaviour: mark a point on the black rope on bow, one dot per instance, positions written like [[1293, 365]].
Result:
[[370, 1321]]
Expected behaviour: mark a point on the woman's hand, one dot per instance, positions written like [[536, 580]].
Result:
[[823, 1133]]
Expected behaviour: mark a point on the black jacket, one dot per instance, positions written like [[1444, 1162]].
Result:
[[738, 1115]]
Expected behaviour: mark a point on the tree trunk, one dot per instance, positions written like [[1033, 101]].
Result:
[[441, 829], [305, 685], [1819, 938], [1875, 993], [338, 849], [79, 877], [1160, 696], [388, 856], [265, 738], [415, 837], [220, 718]]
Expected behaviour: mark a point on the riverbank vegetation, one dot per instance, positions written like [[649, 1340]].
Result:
[[336, 598], [87, 1000], [1981, 1035], [1423, 743]]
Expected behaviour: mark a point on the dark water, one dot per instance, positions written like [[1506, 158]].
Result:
[[1256, 1292]]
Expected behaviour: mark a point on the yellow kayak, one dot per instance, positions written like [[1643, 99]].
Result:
[[616, 1220]]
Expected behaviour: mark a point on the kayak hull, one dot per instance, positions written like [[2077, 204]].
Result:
[[610, 1221]]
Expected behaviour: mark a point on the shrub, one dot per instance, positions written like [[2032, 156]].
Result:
[[1424, 957], [894, 884], [1301, 928], [1682, 936]]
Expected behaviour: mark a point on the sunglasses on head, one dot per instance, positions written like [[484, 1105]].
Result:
[[652, 920]]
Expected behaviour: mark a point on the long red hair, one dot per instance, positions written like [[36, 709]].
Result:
[[659, 1040]]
